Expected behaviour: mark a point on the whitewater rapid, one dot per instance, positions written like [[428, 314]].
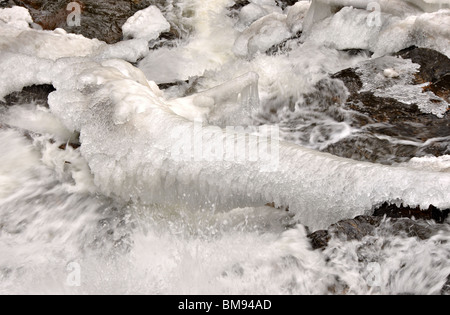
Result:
[[126, 200]]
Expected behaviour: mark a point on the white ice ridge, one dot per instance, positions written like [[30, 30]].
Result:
[[133, 158], [321, 9], [128, 133]]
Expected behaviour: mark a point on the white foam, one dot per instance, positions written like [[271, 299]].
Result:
[[208, 48], [38, 120], [18, 160]]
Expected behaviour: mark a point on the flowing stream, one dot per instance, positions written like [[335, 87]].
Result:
[[102, 190]]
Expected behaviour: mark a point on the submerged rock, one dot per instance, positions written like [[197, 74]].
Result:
[[394, 211], [36, 94], [355, 229], [446, 289], [360, 227], [393, 121]]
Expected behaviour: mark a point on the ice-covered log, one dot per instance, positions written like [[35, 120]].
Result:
[[138, 160]]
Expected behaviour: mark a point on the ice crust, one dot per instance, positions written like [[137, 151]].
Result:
[[394, 77]]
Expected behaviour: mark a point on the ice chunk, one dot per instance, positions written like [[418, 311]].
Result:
[[256, 10], [322, 9], [146, 24], [433, 30], [17, 17], [261, 35], [45, 44], [36, 119], [390, 73], [296, 16], [232, 103], [382, 33], [31, 71], [130, 50]]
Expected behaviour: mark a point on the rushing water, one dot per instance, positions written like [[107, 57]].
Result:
[[117, 215]]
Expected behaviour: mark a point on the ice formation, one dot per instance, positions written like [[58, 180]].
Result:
[[393, 77], [261, 35], [388, 28], [322, 9], [147, 24], [255, 10], [17, 17]]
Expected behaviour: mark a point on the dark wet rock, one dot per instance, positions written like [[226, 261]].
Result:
[[355, 229], [446, 288], [358, 52], [360, 227], [283, 47], [434, 69], [166, 39], [286, 3], [36, 94], [441, 87], [394, 211], [238, 5], [6, 3], [351, 80], [382, 119], [99, 19], [73, 145], [319, 239], [433, 65]]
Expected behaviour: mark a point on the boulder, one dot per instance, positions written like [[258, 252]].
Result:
[[360, 227]]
